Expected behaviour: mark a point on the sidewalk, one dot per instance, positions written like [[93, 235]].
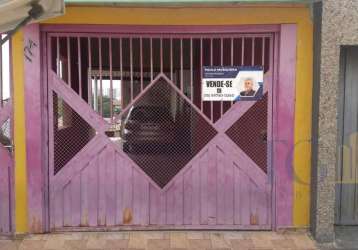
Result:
[[159, 240]]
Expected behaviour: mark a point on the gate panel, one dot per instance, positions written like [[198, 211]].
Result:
[[6, 160], [347, 188], [145, 149], [135, 201], [250, 131], [69, 130], [5, 190]]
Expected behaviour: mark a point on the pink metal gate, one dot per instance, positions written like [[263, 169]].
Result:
[[133, 144], [6, 161]]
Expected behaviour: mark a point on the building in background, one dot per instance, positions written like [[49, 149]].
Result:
[[334, 186]]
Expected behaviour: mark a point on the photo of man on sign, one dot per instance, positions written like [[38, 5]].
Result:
[[249, 83], [248, 87]]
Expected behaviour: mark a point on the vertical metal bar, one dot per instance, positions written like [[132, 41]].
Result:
[[242, 51], [211, 52], [1, 77], [89, 89], [151, 59], [121, 68], [171, 59], [273, 47], [263, 52], [79, 67], [95, 93], [253, 52], [272, 104], [131, 63], [222, 64], [69, 62], [181, 66], [201, 72], [89, 84], [222, 51], [58, 57], [242, 54], [211, 64], [100, 74], [232, 51], [141, 63], [191, 70], [111, 79], [161, 55], [232, 59]]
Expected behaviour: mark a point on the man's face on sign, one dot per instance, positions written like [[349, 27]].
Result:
[[249, 85]]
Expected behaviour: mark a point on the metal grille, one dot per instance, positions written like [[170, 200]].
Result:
[[5, 134], [71, 133], [162, 132], [109, 72], [250, 133]]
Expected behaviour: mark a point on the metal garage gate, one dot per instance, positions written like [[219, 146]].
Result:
[[132, 144], [347, 171]]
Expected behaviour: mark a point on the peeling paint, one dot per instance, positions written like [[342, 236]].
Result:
[[254, 219], [84, 219], [36, 226], [127, 216]]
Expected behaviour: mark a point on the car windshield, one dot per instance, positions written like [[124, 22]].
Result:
[[150, 114]]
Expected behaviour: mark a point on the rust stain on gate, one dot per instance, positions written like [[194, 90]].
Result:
[[127, 216], [36, 225]]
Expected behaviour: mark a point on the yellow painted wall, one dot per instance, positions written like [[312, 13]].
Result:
[[297, 14], [19, 133], [303, 125]]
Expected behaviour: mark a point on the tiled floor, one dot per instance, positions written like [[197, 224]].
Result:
[[163, 241]]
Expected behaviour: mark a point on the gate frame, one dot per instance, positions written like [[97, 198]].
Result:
[[11, 173], [283, 113]]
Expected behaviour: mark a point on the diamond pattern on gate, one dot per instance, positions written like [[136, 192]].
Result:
[[249, 132], [71, 133], [162, 132]]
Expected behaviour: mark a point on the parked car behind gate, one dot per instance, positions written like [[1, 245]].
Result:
[[146, 126]]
